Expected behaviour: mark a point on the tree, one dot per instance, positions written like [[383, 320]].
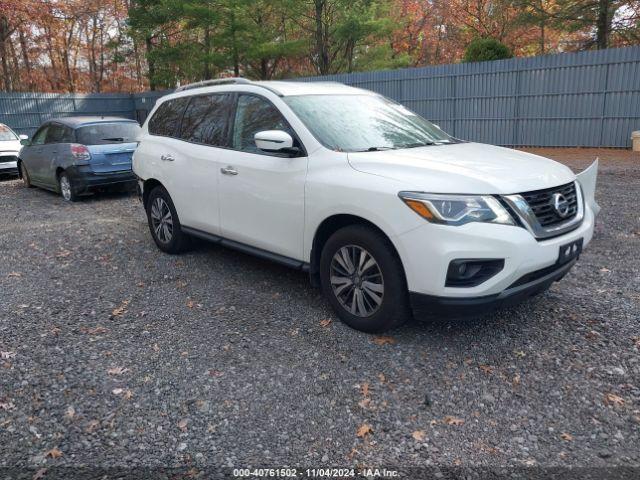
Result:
[[484, 49]]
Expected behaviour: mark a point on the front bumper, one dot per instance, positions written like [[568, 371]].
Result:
[[426, 306], [427, 251], [8, 167], [84, 179]]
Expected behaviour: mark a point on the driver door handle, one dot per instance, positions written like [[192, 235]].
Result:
[[229, 170], [167, 158]]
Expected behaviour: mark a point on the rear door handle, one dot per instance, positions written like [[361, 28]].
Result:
[[229, 170], [167, 158]]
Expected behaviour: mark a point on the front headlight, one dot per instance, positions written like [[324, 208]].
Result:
[[457, 209]]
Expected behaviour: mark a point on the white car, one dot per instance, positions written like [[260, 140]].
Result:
[[388, 214], [9, 150]]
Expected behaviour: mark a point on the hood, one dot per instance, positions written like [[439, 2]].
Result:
[[10, 146], [464, 168]]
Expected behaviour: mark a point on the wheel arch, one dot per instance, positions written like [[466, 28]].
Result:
[[328, 227], [148, 185]]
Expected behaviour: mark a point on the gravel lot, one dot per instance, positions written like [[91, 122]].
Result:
[[114, 354]]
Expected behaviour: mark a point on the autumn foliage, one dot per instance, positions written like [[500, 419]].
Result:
[[134, 45]]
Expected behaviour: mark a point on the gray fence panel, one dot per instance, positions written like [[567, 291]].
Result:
[[585, 99]]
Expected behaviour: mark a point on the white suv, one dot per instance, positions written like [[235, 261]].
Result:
[[387, 213]]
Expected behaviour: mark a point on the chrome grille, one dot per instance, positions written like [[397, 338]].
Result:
[[541, 203]]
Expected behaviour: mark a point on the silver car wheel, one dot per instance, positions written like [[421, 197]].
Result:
[[65, 187], [356, 280], [162, 220]]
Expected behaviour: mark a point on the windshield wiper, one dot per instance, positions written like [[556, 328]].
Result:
[[374, 149], [114, 139], [418, 144]]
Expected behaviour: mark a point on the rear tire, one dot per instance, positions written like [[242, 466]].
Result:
[[26, 179], [67, 188], [363, 279], [164, 223]]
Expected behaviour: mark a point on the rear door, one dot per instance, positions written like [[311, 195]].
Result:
[[111, 145], [53, 153], [195, 170]]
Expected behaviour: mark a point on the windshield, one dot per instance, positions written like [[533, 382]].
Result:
[[355, 123], [104, 133], [6, 134]]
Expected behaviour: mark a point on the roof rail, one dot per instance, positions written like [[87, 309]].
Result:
[[215, 81]]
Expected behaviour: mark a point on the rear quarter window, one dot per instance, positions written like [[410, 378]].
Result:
[[106, 133], [166, 119]]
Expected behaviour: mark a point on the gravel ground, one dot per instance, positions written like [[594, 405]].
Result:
[[114, 354]]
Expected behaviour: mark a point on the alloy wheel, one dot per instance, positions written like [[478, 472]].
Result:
[[356, 280], [65, 187], [162, 220]]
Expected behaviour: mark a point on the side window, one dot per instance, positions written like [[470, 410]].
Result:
[[166, 120], [206, 119], [40, 135], [55, 134], [253, 115]]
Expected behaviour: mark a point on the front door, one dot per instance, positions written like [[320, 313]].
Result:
[[262, 195], [32, 155]]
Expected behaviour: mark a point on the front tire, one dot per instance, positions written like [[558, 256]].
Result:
[[26, 179], [164, 223], [363, 279], [66, 187]]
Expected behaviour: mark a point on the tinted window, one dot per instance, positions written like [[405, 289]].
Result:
[[59, 134], [166, 120], [105, 133], [253, 115], [206, 119], [38, 138], [6, 134]]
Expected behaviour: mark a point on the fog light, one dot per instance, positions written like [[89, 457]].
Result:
[[470, 272]]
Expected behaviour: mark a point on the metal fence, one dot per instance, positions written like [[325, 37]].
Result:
[[570, 99]]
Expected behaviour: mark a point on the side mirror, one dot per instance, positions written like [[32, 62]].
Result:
[[275, 141], [23, 137]]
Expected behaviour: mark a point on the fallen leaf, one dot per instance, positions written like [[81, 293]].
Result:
[[364, 430], [182, 424], [63, 253], [117, 370], [94, 330], [519, 353], [605, 270], [128, 394], [382, 378], [39, 475], [55, 452], [140, 284], [155, 347], [121, 310], [567, 437], [364, 389], [325, 323], [215, 373], [516, 379], [70, 413], [14, 274], [364, 403], [7, 406], [418, 435], [486, 369], [383, 340], [636, 341], [7, 355], [614, 400], [453, 420], [91, 426], [190, 303]]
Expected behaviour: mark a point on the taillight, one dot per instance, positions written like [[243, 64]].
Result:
[[80, 152]]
